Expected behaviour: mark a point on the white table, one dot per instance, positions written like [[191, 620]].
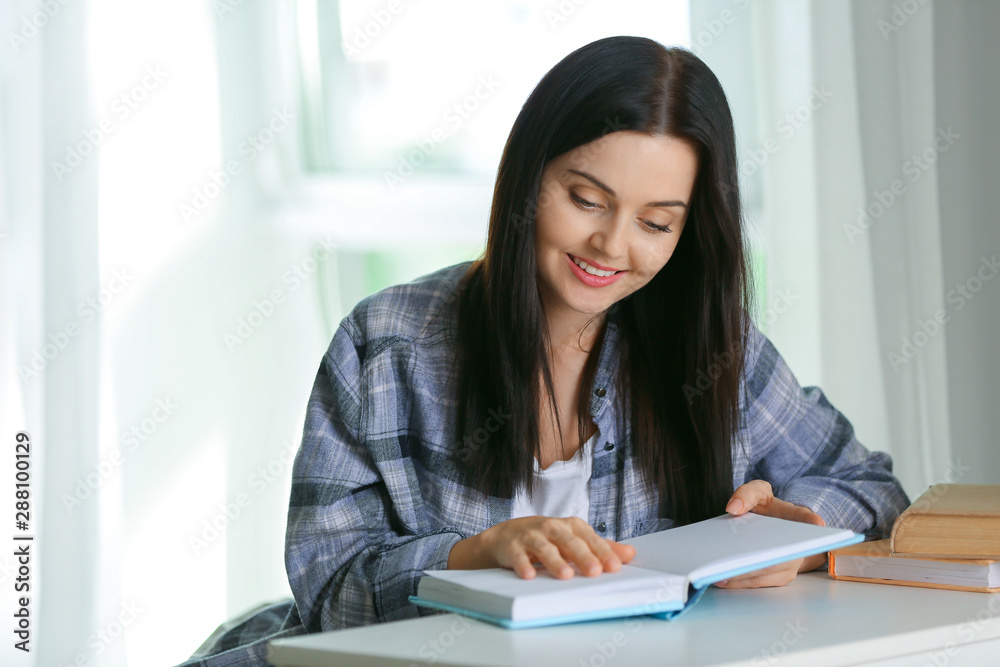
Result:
[[812, 621]]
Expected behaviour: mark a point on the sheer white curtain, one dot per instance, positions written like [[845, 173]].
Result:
[[50, 353], [845, 129], [161, 449]]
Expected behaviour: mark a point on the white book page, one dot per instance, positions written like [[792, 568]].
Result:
[[505, 582], [912, 569], [726, 543]]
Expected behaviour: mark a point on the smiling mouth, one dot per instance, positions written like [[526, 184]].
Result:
[[599, 271]]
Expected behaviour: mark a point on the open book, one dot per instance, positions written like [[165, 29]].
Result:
[[669, 573]]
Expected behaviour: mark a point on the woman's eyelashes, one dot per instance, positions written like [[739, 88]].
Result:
[[583, 202], [654, 228], [591, 206]]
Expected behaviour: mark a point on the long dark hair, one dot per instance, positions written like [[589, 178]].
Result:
[[682, 335]]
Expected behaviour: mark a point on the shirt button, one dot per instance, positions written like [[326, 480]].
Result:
[[600, 392], [602, 526], [608, 446]]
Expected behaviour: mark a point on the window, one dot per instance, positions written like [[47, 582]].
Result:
[[407, 107]]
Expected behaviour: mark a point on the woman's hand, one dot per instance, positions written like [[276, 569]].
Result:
[[557, 543], [757, 497]]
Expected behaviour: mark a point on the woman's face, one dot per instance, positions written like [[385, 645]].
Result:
[[618, 204]]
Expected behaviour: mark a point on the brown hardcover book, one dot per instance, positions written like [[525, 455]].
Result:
[[872, 562], [950, 521]]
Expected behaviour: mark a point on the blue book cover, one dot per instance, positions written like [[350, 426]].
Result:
[[668, 575]]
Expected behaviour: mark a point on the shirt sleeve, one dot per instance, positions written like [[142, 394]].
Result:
[[349, 559], [808, 452]]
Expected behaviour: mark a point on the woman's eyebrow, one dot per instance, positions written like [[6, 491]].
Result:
[[652, 204]]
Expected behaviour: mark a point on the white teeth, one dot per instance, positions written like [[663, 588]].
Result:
[[591, 270]]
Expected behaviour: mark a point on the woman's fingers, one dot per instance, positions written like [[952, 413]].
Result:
[[551, 557], [521, 564], [783, 509], [786, 510], [753, 494], [581, 546], [558, 544], [578, 551], [776, 575], [625, 552], [607, 557], [758, 497]]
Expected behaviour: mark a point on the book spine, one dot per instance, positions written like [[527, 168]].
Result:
[[900, 520]]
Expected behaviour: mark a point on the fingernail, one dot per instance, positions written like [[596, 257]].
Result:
[[612, 564], [565, 571], [735, 506], [722, 583]]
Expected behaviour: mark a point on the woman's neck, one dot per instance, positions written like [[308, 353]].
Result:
[[573, 335]]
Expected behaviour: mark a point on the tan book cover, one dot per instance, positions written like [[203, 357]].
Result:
[[950, 521], [917, 574]]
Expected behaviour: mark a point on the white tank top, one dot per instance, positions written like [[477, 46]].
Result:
[[562, 489]]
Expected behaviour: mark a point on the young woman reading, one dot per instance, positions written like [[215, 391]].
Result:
[[594, 376]]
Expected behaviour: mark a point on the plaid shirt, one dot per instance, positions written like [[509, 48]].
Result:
[[376, 497]]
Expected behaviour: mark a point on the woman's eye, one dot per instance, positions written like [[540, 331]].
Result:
[[647, 225], [652, 227]]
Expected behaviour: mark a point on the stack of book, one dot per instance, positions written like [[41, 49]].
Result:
[[948, 538]]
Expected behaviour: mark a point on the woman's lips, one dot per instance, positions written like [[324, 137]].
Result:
[[594, 264], [592, 280]]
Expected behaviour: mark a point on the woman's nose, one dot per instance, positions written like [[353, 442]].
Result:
[[611, 238]]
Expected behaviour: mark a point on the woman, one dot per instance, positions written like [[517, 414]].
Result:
[[593, 377]]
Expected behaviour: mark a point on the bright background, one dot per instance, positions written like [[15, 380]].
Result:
[[162, 318]]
